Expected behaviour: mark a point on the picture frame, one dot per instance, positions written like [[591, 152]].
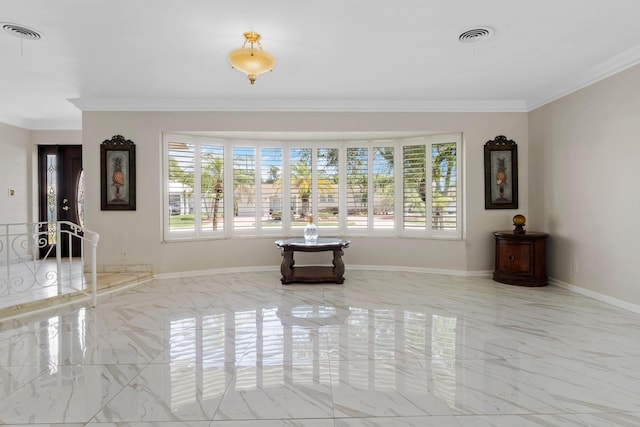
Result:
[[118, 174], [501, 173]]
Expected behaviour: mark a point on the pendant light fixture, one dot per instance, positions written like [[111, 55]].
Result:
[[250, 58]]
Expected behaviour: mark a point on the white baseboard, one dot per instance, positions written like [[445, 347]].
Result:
[[596, 295], [440, 271], [130, 268], [480, 273], [193, 273]]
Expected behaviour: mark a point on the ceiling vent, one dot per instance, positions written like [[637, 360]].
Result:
[[20, 31], [475, 35]]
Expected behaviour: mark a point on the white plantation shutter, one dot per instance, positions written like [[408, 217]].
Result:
[[409, 187], [271, 189], [244, 191], [413, 184], [444, 199], [181, 177], [357, 187], [301, 176], [431, 187], [383, 188], [326, 187], [211, 188]]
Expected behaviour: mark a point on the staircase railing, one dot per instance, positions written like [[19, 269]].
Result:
[[31, 261]]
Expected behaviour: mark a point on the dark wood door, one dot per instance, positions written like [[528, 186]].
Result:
[[61, 195]]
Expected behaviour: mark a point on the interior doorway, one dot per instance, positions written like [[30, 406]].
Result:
[[61, 195]]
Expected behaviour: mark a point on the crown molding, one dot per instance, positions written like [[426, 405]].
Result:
[[10, 120], [302, 105], [601, 71], [53, 124]]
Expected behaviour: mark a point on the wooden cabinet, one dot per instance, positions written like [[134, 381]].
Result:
[[520, 258]]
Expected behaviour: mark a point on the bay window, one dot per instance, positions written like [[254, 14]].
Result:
[[405, 187]]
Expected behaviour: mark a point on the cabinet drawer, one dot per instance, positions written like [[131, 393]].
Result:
[[515, 257]]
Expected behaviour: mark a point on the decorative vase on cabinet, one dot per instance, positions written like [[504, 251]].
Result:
[[520, 258]]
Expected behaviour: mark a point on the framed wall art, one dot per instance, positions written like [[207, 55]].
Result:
[[501, 174], [118, 174]]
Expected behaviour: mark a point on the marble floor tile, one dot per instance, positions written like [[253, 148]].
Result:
[[436, 421], [307, 422], [588, 385], [384, 349], [278, 392], [148, 424], [169, 392], [13, 379], [608, 419], [561, 420], [494, 386], [384, 388], [66, 394]]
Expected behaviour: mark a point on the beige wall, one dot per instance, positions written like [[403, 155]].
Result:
[[15, 173], [586, 169], [135, 237], [56, 137]]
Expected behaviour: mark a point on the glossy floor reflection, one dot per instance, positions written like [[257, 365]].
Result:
[[384, 349]]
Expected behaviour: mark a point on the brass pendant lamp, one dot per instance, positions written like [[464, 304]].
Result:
[[251, 59]]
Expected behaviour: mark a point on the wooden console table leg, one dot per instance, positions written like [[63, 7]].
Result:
[[286, 268], [338, 265]]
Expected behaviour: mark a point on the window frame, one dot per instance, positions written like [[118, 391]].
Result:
[[287, 228], [428, 231]]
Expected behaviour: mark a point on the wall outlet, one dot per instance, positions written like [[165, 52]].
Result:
[[12, 192]]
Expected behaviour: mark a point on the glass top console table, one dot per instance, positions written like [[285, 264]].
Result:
[[312, 274]]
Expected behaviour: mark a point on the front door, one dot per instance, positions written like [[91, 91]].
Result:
[[61, 190]]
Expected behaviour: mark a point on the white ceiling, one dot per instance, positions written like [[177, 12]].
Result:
[[333, 55]]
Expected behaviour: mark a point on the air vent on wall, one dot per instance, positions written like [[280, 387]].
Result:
[[475, 35], [20, 31]]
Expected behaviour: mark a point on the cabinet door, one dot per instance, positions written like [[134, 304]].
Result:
[[514, 257]]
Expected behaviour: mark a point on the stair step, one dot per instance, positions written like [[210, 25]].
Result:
[[37, 300]]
